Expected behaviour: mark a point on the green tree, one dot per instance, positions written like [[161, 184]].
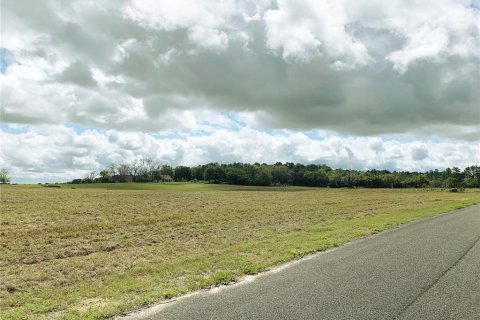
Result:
[[197, 173], [215, 173], [472, 176], [105, 176], [451, 182], [335, 178], [4, 176], [182, 173], [316, 178], [263, 177], [166, 170], [236, 175], [280, 174]]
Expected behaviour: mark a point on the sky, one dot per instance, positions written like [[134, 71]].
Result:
[[355, 84]]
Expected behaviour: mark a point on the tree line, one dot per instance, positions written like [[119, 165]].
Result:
[[296, 174]]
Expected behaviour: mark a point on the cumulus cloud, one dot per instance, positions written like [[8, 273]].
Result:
[[314, 27]]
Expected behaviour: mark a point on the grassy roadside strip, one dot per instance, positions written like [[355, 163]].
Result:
[[208, 248]]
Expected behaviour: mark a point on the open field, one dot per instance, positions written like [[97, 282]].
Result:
[[97, 250]]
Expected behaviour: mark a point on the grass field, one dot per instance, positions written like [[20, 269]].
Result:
[[93, 251]]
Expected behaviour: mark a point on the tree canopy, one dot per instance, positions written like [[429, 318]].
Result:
[[4, 176]]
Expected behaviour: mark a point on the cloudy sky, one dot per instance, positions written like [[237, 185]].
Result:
[[350, 83]]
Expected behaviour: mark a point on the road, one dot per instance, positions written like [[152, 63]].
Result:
[[428, 269]]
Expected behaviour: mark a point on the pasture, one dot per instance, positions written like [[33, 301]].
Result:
[[94, 251]]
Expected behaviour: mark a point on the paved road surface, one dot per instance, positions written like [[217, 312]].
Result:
[[428, 269]]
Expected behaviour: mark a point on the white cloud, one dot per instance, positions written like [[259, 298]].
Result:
[[209, 37], [304, 29], [24, 99], [420, 30], [203, 20]]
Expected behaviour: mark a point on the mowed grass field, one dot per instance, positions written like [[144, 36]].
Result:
[[94, 251]]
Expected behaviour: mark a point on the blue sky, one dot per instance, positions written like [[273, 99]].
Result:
[[361, 84], [4, 61]]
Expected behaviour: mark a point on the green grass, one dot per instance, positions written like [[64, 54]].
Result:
[[180, 186], [183, 186], [98, 250]]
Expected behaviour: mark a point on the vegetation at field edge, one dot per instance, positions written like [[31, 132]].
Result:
[[311, 175]]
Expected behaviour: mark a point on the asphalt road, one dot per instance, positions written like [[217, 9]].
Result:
[[428, 269]]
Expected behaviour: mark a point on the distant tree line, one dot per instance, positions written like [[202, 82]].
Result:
[[312, 175]]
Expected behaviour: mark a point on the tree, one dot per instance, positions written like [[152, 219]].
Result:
[[124, 169], [280, 174], [335, 178], [135, 168], [214, 173], [263, 177], [317, 178], [183, 173], [197, 173], [321, 177], [4, 176], [166, 170], [236, 175], [147, 170], [472, 176], [90, 177], [105, 176], [113, 169], [451, 182]]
